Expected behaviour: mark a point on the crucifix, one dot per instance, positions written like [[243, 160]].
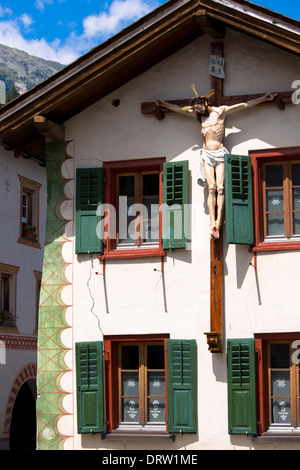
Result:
[[211, 110]]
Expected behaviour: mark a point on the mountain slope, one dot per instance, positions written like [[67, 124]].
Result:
[[21, 71]]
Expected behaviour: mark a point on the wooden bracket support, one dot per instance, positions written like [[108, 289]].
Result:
[[49, 129]]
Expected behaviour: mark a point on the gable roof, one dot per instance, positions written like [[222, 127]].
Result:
[[129, 53]]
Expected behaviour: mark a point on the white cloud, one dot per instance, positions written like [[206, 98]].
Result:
[[96, 28], [120, 12], [26, 20], [5, 11], [10, 35], [40, 4]]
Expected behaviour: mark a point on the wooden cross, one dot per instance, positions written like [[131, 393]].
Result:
[[215, 337]]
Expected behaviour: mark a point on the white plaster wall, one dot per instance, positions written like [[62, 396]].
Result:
[[133, 299], [29, 259]]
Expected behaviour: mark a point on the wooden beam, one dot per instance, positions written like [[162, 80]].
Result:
[[284, 96], [214, 28], [49, 129]]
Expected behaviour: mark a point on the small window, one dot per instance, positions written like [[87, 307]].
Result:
[[38, 283], [29, 217], [8, 283]]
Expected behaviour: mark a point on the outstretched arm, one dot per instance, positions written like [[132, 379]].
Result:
[[249, 104], [187, 110]]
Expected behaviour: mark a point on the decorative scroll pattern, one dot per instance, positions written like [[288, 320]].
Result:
[[52, 311]]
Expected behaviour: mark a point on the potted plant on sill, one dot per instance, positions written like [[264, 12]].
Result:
[[7, 318], [29, 232]]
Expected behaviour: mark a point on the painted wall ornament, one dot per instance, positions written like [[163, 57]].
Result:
[[211, 168]]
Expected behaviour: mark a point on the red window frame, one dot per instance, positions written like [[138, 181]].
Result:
[[258, 158], [111, 169], [111, 344]]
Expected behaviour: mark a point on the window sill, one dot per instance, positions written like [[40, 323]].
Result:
[[29, 242], [135, 434], [271, 436], [276, 246], [133, 253]]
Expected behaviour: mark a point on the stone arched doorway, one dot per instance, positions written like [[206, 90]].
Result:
[[22, 435]]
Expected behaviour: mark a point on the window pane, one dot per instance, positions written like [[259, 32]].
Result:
[[296, 199], [280, 356], [151, 185], [151, 219], [130, 410], [156, 410], [130, 384], [126, 186], [274, 175], [296, 174], [274, 200], [156, 383], [156, 356], [281, 411], [296, 222], [280, 383], [130, 357], [275, 225]]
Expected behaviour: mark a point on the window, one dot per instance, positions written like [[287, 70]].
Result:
[[263, 385], [281, 200], [38, 283], [132, 208], [133, 193], [141, 384], [146, 385], [29, 212], [283, 381], [138, 209], [8, 283], [262, 199], [276, 183]]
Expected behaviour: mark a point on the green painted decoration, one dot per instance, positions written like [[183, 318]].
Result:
[[52, 309]]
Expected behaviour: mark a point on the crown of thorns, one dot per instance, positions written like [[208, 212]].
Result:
[[209, 94]]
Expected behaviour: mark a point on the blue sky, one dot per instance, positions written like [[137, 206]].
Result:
[[63, 30]]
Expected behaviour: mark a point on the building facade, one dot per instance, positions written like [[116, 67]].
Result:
[[23, 194], [152, 335]]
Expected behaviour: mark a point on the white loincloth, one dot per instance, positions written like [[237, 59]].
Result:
[[212, 158]]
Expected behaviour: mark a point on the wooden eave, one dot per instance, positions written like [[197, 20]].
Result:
[[130, 53]]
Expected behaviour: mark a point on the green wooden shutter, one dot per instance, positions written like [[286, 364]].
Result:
[[175, 199], [90, 387], [238, 199], [89, 195], [182, 386], [241, 386]]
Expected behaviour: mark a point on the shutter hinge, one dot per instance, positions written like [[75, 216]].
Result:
[[104, 180], [162, 177]]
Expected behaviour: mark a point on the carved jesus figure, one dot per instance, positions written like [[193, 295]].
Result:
[[211, 171]]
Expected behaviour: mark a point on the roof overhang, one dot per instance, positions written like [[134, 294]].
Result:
[[128, 54]]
